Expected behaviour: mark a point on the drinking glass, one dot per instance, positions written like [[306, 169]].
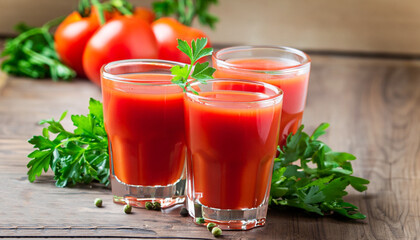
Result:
[[284, 67], [144, 120], [232, 129]]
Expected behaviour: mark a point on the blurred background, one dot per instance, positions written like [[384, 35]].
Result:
[[387, 27]]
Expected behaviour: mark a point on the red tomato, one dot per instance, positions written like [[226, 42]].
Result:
[[141, 12], [121, 38], [145, 14], [71, 37], [75, 31], [167, 31]]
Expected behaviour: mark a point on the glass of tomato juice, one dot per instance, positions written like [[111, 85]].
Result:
[[144, 120], [284, 67], [232, 129]]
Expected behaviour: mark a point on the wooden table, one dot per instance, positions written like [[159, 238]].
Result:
[[373, 106]]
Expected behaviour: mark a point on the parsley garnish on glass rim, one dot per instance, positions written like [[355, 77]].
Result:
[[201, 72]]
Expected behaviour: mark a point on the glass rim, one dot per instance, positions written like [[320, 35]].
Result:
[[306, 59], [277, 96], [157, 62]]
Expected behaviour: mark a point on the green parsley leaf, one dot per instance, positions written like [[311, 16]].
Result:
[[40, 161], [164, 8], [358, 183], [185, 48], [199, 50], [201, 72], [32, 54], [74, 157], [318, 189], [186, 10], [180, 72], [319, 131]]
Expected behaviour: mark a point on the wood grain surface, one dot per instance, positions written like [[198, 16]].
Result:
[[373, 108]]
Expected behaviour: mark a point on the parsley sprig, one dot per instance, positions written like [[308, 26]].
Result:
[[200, 71], [74, 157], [318, 189], [32, 54]]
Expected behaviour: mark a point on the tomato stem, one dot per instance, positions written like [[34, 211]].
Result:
[[54, 22], [123, 6], [100, 9], [43, 30], [84, 8]]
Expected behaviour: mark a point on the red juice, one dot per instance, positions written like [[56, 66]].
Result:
[[145, 126], [231, 145], [276, 71]]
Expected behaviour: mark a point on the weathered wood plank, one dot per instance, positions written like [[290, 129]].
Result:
[[3, 80], [373, 108]]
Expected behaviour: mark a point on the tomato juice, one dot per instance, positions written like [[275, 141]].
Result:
[[144, 119], [232, 134], [290, 73]]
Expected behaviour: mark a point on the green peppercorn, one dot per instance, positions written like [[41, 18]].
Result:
[[210, 226], [149, 205], [127, 209], [199, 220], [98, 202], [184, 212], [156, 206], [217, 232]]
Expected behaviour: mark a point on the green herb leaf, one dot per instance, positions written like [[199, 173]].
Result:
[[75, 157], [320, 130], [164, 8], [201, 72], [358, 183], [199, 50], [180, 72], [185, 48], [318, 189], [32, 54], [40, 161], [186, 10]]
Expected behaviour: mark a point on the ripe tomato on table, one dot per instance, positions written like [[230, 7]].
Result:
[[72, 36], [120, 32], [140, 12], [167, 30], [74, 33], [145, 14], [124, 37]]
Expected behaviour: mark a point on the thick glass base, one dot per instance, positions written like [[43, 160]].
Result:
[[229, 219], [137, 196]]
